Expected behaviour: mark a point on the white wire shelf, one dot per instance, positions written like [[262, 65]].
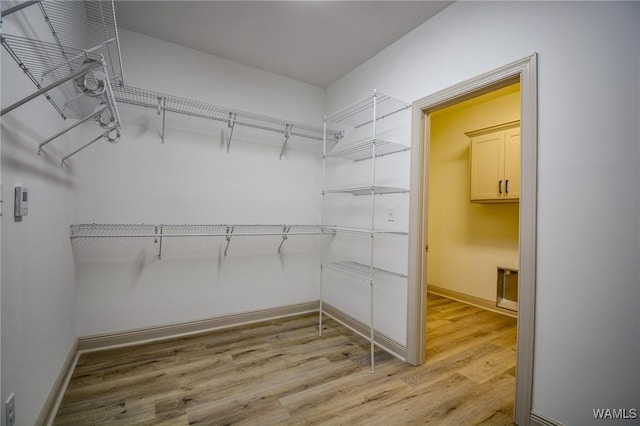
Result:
[[81, 73], [367, 190], [187, 230], [96, 21], [164, 103], [74, 72], [363, 231], [361, 112], [361, 271], [43, 64], [81, 31], [363, 150], [161, 231]]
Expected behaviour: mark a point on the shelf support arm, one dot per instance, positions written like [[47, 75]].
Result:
[[285, 235], [74, 125], [103, 135], [228, 237], [287, 135], [231, 123], [160, 244], [164, 115]]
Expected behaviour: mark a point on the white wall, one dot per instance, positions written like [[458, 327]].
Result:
[[468, 240], [38, 274], [587, 317], [192, 179]]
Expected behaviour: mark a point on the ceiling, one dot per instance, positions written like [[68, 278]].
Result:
[[316, 42]]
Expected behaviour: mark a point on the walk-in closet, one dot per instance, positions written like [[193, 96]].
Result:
[[232, 212]]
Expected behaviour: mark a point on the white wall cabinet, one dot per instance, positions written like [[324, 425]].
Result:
[[495, 163]]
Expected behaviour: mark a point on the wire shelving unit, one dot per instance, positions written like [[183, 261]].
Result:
[[75, 75], [165, 104], [365, 112]]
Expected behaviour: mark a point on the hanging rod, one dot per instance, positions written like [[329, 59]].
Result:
[[164, 103], [159, 232]]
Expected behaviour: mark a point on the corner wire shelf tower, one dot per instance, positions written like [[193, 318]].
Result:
[[365, 112], [76, 69]]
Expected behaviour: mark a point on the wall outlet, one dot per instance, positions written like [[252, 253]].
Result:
[[10, 410], [391, 214]]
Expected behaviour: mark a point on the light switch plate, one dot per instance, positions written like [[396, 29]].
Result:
[[391, 214]]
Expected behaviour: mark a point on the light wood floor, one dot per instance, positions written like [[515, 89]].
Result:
[[281, 372]]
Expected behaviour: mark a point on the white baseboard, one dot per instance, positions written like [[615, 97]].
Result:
[[361, 328], [470, 300], [142, 335], [536, 419], [50, 408]]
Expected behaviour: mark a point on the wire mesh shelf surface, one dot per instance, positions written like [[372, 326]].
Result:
[[81, 31], [197, 109], [94, 21], [42, 62], [218, 230], [363, 150], [361, 271], [367, 190], [361, 112], [364, 231]]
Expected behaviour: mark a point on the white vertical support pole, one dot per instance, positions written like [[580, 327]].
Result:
[[160, 245], [373, 208], [164, 115], [322, 248]]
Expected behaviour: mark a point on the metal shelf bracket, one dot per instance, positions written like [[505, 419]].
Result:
[[164, 115], [157, 238], [285, 235], [287, 135], [228, 237], [232, 124]]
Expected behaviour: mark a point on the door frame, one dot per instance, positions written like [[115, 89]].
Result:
[[524, 71]]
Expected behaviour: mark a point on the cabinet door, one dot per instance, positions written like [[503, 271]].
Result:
[[512, 164], [487, 166]]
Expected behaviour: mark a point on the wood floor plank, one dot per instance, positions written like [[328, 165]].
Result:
[[282, 372], [489, 366]]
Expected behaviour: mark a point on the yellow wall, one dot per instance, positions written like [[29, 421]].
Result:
[[468, 241]]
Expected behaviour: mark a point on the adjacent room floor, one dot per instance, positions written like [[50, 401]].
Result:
[[281, 372]]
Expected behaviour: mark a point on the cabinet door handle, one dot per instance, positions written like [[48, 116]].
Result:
[[506, 186], [499, 187]]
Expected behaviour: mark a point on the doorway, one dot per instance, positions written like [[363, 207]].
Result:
[[472, 199], [524, 72]]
